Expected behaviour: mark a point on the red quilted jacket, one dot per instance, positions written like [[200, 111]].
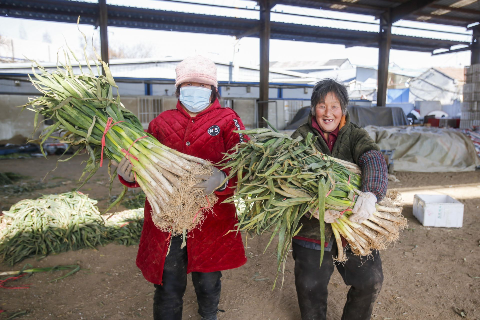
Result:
[[211, 247]]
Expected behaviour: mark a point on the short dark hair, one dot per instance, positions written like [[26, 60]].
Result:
[[326, 86], [215, 94]]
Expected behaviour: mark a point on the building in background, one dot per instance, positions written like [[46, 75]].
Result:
[[436, 84], [147, 87]]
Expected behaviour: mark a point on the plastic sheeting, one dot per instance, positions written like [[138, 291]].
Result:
[[377, 116], [299, 119], [398, 95], [421, 149]]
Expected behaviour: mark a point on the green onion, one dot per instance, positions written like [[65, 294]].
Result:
[[287, 178], [84, 110], [59, 223]]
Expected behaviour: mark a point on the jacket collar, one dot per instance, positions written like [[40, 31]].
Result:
[[215, 105]]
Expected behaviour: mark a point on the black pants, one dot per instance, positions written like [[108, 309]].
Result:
[[168, 299], [364, 275]]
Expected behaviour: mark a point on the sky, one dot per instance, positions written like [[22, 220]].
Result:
[[51, 36]]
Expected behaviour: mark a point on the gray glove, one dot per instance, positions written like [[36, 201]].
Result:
[[211, 182], [124, 170]]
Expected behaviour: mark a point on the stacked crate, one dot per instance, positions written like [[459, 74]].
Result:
[[471, 98]]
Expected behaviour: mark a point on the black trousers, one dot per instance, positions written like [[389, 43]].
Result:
[[168, 298], [364, 275]]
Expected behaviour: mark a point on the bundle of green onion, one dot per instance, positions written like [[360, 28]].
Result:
[[58, 223], [282, 179], [83, 108], [50, 224]]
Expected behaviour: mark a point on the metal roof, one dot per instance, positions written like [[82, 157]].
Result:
[[130, 17], [308, 65], [448, 12], [151, 68]]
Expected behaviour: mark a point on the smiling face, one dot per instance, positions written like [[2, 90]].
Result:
[[328, 113]]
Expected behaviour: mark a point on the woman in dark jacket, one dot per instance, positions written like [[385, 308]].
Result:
[[338, 137]]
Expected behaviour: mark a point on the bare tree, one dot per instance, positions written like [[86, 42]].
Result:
[[124, 52], [6, 49], [3, 40], [130, 52]]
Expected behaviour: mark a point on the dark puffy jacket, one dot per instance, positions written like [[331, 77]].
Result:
[[211, 247], [352, 142]]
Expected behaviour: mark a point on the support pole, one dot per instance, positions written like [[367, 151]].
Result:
[[262, 112], [384, 45], [103, 22], [475, 57]]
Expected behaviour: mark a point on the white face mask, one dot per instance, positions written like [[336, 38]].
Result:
[[195, 99]]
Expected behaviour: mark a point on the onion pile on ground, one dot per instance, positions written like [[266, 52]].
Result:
[[62, 222]]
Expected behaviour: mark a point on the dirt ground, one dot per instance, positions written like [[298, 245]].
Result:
[[431, 273]]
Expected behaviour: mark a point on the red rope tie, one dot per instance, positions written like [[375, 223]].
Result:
[[353, 201], [329, 192], [169, 236], [2, 282], [107, 127], [348, 179], [196, 214], [123, 225], [342, 212], [128, 155], [127, 152]]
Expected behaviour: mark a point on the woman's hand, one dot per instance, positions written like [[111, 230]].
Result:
[[364, 207], [124, 170], [211, 182]]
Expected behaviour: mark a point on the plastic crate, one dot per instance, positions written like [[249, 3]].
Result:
[[438, 211]]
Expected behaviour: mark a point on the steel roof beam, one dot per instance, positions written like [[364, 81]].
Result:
[[188, 22], [462, 10], [103, 21], [407, 8], [334, 5], [339, 6], [452, 51], [475, 57], [444, 7], [443, 19], [384, 46], [248, 33], [264, 34]]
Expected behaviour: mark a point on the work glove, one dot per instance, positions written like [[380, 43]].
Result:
[[364, 207], [329, 217], [124, 170], [211, 182]]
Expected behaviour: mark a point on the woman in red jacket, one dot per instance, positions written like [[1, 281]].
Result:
[[200, 127]]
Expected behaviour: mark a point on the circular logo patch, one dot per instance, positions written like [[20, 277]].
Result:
[[214, 130]]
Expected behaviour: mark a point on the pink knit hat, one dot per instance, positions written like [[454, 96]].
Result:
[[196, 69]]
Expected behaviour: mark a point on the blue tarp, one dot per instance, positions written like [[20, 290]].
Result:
[[26, 148], [398, 95]]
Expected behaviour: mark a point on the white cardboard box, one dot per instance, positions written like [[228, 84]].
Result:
[[438, 211]]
